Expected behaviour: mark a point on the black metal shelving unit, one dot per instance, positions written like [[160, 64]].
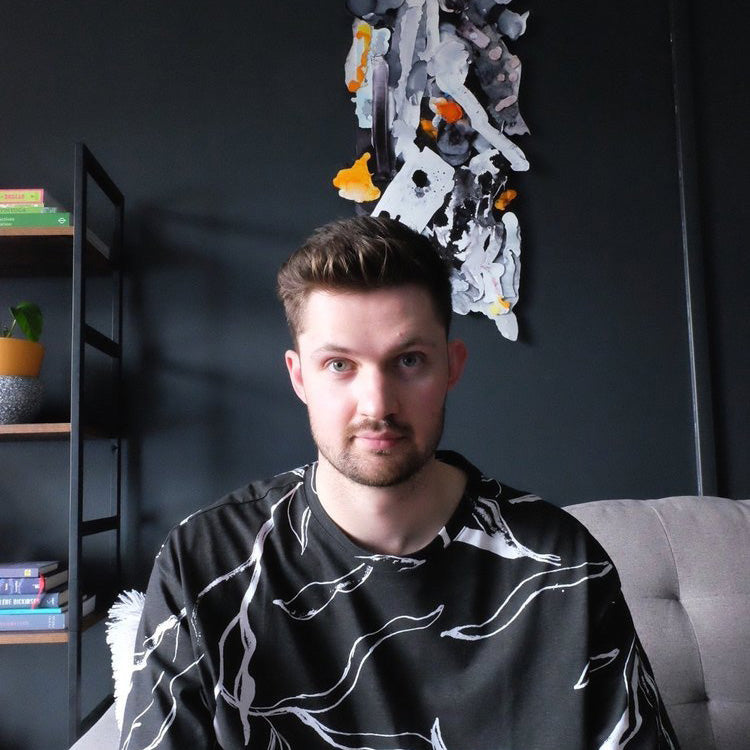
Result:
[[78, 253]]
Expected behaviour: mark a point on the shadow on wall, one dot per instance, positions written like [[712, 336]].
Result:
[[207, 402]]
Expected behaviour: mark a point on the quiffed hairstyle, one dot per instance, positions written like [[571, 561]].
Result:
[[363, 253]]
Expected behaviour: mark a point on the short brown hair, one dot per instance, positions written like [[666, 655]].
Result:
[[363, 253]]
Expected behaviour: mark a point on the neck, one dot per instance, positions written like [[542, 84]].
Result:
[[396, 520]]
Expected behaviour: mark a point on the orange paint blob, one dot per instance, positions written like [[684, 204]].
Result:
[[364, 36], [504, 199], [497, 308], [355, 182], [448, 110], [428, 127]]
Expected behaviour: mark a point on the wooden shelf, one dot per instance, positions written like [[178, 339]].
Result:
[[42, 251], [40, 431], [37, 231], [50, 431], [18, 637]]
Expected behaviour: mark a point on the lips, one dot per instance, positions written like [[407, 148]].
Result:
[[386, 435], [378, 441], [378, 435]]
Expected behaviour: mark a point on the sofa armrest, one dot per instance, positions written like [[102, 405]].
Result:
[[684, 563], [104, 735]]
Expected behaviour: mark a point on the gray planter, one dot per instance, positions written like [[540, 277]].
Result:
[[20, 398]]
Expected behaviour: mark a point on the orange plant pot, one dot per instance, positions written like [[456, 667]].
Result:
[[19, 357]]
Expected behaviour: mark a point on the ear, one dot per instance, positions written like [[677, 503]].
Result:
[[294, 368], [457, 354]]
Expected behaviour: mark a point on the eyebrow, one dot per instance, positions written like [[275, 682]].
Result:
[[416, 341]]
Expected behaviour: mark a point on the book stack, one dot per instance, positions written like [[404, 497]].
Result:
[[34, 596], [30, 207]]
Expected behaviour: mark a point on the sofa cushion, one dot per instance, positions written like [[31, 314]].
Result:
[[684, 563]]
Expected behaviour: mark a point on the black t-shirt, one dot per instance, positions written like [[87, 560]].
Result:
[[266, 627]]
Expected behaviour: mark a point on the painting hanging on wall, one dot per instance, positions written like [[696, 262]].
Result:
[[435, 85]]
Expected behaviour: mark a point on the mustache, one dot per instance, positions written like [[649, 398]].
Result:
[[379, 425]]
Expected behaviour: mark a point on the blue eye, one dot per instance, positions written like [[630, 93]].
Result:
[[411, 359], [338, 365]]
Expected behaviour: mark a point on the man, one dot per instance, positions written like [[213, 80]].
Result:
[[387, 596]]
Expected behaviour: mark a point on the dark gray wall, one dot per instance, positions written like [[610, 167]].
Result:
[[224, 125], [723, 116]]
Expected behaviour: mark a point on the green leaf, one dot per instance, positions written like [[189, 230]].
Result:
[[29, 319]]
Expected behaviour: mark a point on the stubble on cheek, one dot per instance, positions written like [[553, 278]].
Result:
[[380, 467]]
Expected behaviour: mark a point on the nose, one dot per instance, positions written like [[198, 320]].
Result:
[[376, 394]]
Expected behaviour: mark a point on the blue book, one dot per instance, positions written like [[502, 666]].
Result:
[[25, 569], [19, 585], [41, 619], [55, 598], [11, 623]]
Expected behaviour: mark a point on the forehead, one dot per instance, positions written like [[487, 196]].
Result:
[[390, 313]]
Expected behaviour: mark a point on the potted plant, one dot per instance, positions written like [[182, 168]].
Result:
[[20, 363]]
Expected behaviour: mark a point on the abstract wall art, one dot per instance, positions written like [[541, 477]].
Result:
[[435, 86]]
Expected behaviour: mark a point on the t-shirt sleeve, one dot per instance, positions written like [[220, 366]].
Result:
[[166, 706], [625, 708]]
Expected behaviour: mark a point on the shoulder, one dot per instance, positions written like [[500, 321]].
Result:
[[526, 515], [240, 513]]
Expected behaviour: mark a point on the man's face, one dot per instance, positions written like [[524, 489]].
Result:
[[374, 369]]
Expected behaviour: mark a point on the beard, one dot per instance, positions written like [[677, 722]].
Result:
[[381, 468]]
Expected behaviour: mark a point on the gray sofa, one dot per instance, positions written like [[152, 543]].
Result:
[[684, 563]]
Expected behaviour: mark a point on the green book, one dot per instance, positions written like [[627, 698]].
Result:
[[59, 219], [28, 209]]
